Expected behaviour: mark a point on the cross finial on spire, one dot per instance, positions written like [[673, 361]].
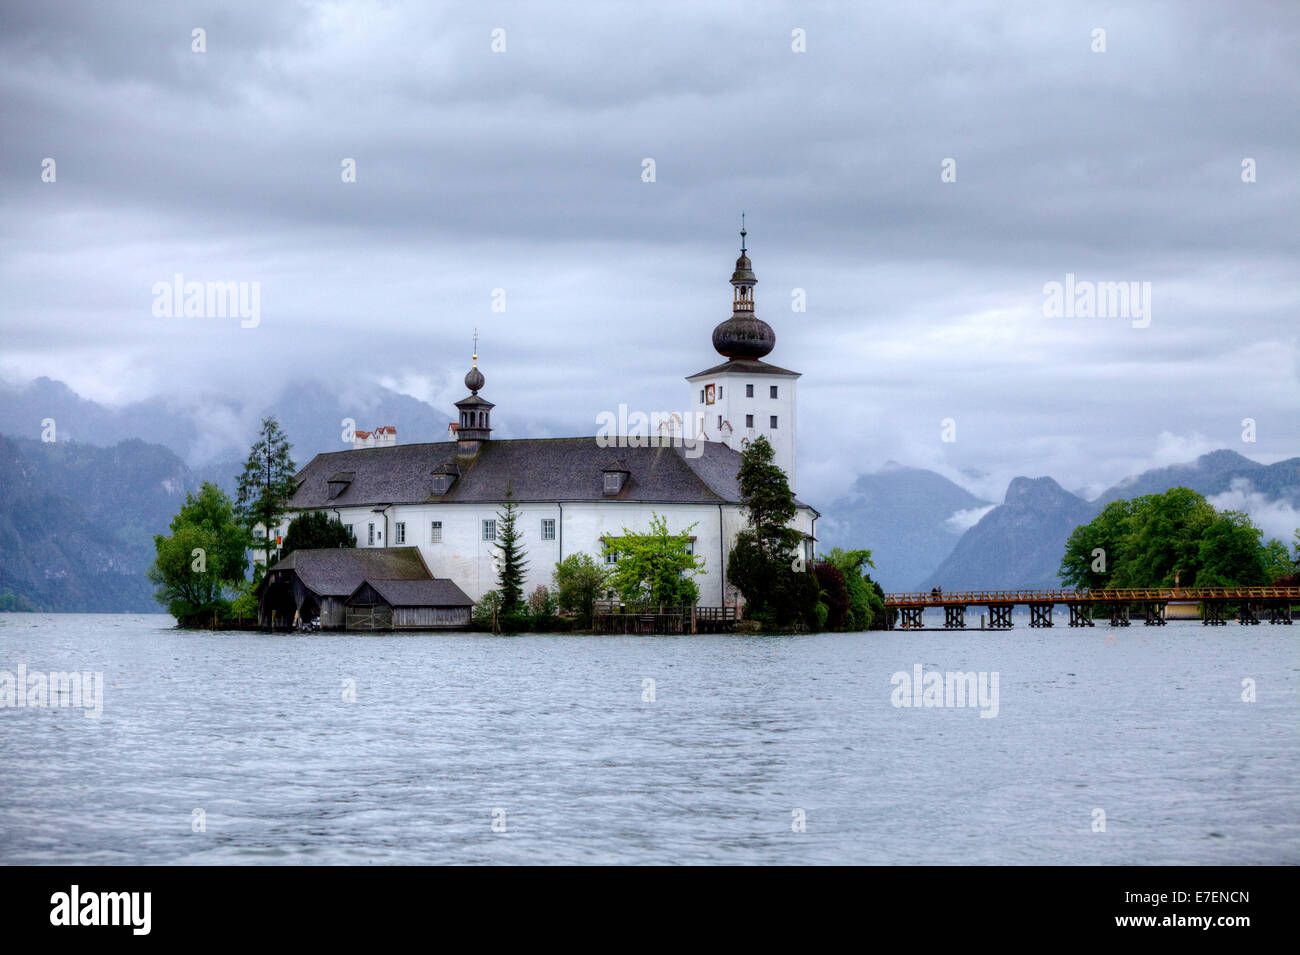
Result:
[[743, 233]]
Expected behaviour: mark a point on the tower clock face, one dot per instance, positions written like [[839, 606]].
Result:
[[709, 394]]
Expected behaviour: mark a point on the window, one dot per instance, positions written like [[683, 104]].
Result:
[[719, 422], [773, 422], [719, 391], [749, 421], [370, 535], [349, 529], [548, 528], [690, 547], [489, 530], [400, 528], [611, 557], [435, 532], [701, 396], [749, 391], [613, 482], [773, 394]]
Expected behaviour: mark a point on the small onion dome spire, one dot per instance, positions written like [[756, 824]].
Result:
[[743, 335], [474, 378]]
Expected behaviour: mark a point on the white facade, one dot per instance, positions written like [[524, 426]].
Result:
[[738, 406], [466, 556]]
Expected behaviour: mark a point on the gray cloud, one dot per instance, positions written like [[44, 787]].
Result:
[[522, 171]]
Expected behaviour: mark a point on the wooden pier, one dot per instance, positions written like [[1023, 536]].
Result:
[[906, 611]]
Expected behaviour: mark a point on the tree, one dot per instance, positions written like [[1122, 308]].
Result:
[[579, 580], [266, 484], [1284, 568], [1095, 549], [1152, 541], [1231, 554], [511, 563], [764, 563], [766, 492], [833, 596], [316, 529], [541, 607], [204, 558], [858, 585], [487, 612], [656, 566]]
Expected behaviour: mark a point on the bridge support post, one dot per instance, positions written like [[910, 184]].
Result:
[[911, 618], [1279, 613], [1080, 615], [954, 616], [1155, 616], [1119, 615], [1000, 616], [1247, 614], [1212, 613], [1040, 615]]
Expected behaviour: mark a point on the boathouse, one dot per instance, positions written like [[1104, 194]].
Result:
[[363, 589]]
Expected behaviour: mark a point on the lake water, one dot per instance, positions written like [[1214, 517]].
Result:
[[555, 739]]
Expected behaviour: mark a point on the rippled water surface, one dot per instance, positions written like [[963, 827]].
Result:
[[552, 735]]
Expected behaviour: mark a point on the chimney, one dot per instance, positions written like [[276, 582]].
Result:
[[385, 436], [362, 439]]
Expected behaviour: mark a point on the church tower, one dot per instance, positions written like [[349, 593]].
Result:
[[475, 426], [745, 397]]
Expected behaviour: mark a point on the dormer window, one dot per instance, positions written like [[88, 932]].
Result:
[[615, 477], [339, 483], [443, 478]]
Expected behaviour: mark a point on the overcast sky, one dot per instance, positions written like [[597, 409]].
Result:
[[523, 170]]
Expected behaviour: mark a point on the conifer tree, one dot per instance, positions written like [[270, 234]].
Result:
[[266, 484], [511, 563]]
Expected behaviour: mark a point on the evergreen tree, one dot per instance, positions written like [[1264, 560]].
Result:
[[511, 562], [266, 484], [769, 500], [313, 530], [765, 564]]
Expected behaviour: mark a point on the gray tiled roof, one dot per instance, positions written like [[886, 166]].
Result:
[[338, 571], [751, 365], [420, 593], [537, 470]]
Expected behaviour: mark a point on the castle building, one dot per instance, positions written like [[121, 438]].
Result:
[[573, 494], [745, 397]]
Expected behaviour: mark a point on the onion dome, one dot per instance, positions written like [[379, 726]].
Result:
[[744, 337], [474, 378]]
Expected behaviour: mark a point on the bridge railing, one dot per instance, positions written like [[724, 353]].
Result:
[[968, 597]]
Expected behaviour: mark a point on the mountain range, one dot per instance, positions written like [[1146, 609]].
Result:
[[78, 514]]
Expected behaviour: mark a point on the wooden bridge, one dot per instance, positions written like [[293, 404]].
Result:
[[906, 610]]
